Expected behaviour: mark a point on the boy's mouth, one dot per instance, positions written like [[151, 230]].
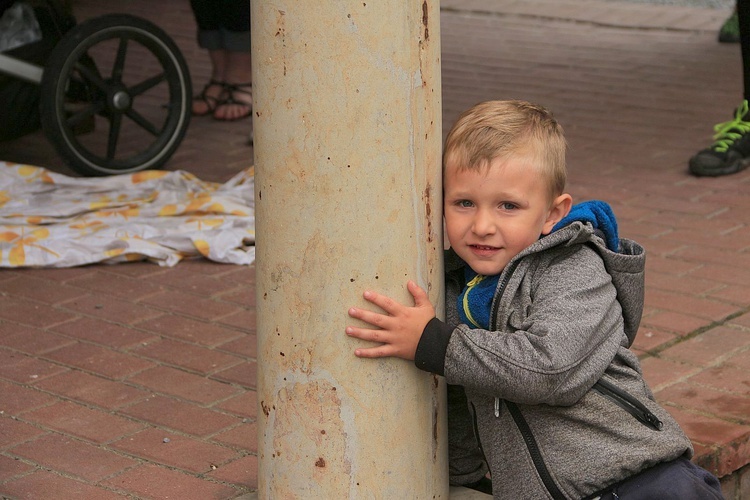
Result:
[[484, 251]]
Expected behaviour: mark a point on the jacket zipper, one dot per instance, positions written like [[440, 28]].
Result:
[[531, 445], [476, 430], [536, 454], [501, 289], [630, 404]]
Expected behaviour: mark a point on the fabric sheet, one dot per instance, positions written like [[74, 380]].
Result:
[[52, 220]]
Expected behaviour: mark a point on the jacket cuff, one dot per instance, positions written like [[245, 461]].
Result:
[[433, 344]]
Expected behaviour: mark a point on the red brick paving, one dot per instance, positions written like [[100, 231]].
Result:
[[139, 380]]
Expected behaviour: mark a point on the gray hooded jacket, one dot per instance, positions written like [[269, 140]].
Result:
[[555, 396]]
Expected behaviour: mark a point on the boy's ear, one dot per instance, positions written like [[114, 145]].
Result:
[[559, 209]]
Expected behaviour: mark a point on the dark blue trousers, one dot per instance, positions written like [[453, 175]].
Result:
[[680, 479]]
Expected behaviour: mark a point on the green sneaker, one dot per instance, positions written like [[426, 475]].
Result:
[[730, 152], [730, 30]]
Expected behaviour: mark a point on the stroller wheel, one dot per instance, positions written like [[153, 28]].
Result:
[[116, 96]]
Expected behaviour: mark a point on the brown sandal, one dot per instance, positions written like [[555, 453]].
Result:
[[230, 98], [211, 102]]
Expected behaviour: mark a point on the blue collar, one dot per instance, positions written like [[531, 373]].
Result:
[[475, 301]]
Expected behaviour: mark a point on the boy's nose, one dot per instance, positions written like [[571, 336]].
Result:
[[483, 224]]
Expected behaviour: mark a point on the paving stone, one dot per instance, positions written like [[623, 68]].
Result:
[[13, 432], [91, 389], [243, 374], [246, 346], [243, 437], [661, 372], [243, 405], [190, 305], [741, 320], [142, 270], [243, 471], [180, 416], [244, 319], [243, 295], [709, 348], [727, 378], [740, 360], [53, 274], [190, 330], [707, 400], [30, 340], [196, 358], [43, 484], [25, 369], [104, 333], [174, 450], [99, 360], [649, 339], [679, 324], [10, 467], [87, 423], [73, 457], [41, 290], [111, 309], [187, 281], [722, 458], [27, 312], [680, 283], [726, 274], [132, 289], [187, 386], [17, 398], [736, 294], [707, 309], [149, 481]]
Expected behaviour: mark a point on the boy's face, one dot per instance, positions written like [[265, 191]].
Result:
[[494, 213]]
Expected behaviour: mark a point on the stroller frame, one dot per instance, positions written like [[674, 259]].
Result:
[[115, 94]]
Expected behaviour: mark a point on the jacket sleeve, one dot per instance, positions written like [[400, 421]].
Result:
[[430, 354], [564, 327]]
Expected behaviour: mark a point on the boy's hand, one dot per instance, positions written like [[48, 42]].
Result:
[[399, 330]]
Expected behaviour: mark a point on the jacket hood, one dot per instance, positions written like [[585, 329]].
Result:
[[626, 266]]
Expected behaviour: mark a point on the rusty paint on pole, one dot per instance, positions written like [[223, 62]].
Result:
[[347, 128]]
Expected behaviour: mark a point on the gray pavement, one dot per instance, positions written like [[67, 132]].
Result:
[[709, 4]]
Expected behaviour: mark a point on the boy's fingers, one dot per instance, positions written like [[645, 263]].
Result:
[[385, 303], [420, 296], [370, 317], [374, 352], [380, 351], [365, 334]]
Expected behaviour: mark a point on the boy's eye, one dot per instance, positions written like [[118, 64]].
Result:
[[464, 203], [506, 205]]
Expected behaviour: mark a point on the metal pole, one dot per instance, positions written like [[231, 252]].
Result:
[[347, 131]]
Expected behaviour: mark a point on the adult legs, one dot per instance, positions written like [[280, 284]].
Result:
[[730, 152], [224, 30], [743, 16], [237, 99]]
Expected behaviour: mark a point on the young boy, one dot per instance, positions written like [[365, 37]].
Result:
[[542, 305]]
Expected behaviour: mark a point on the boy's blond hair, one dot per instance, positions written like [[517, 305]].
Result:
[[499, 129]]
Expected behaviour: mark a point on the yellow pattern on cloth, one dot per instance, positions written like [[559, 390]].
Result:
[[52, 220]]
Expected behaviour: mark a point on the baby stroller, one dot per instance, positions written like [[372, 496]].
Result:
[[112, 94]]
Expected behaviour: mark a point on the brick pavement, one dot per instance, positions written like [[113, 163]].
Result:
[[137, 380]]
